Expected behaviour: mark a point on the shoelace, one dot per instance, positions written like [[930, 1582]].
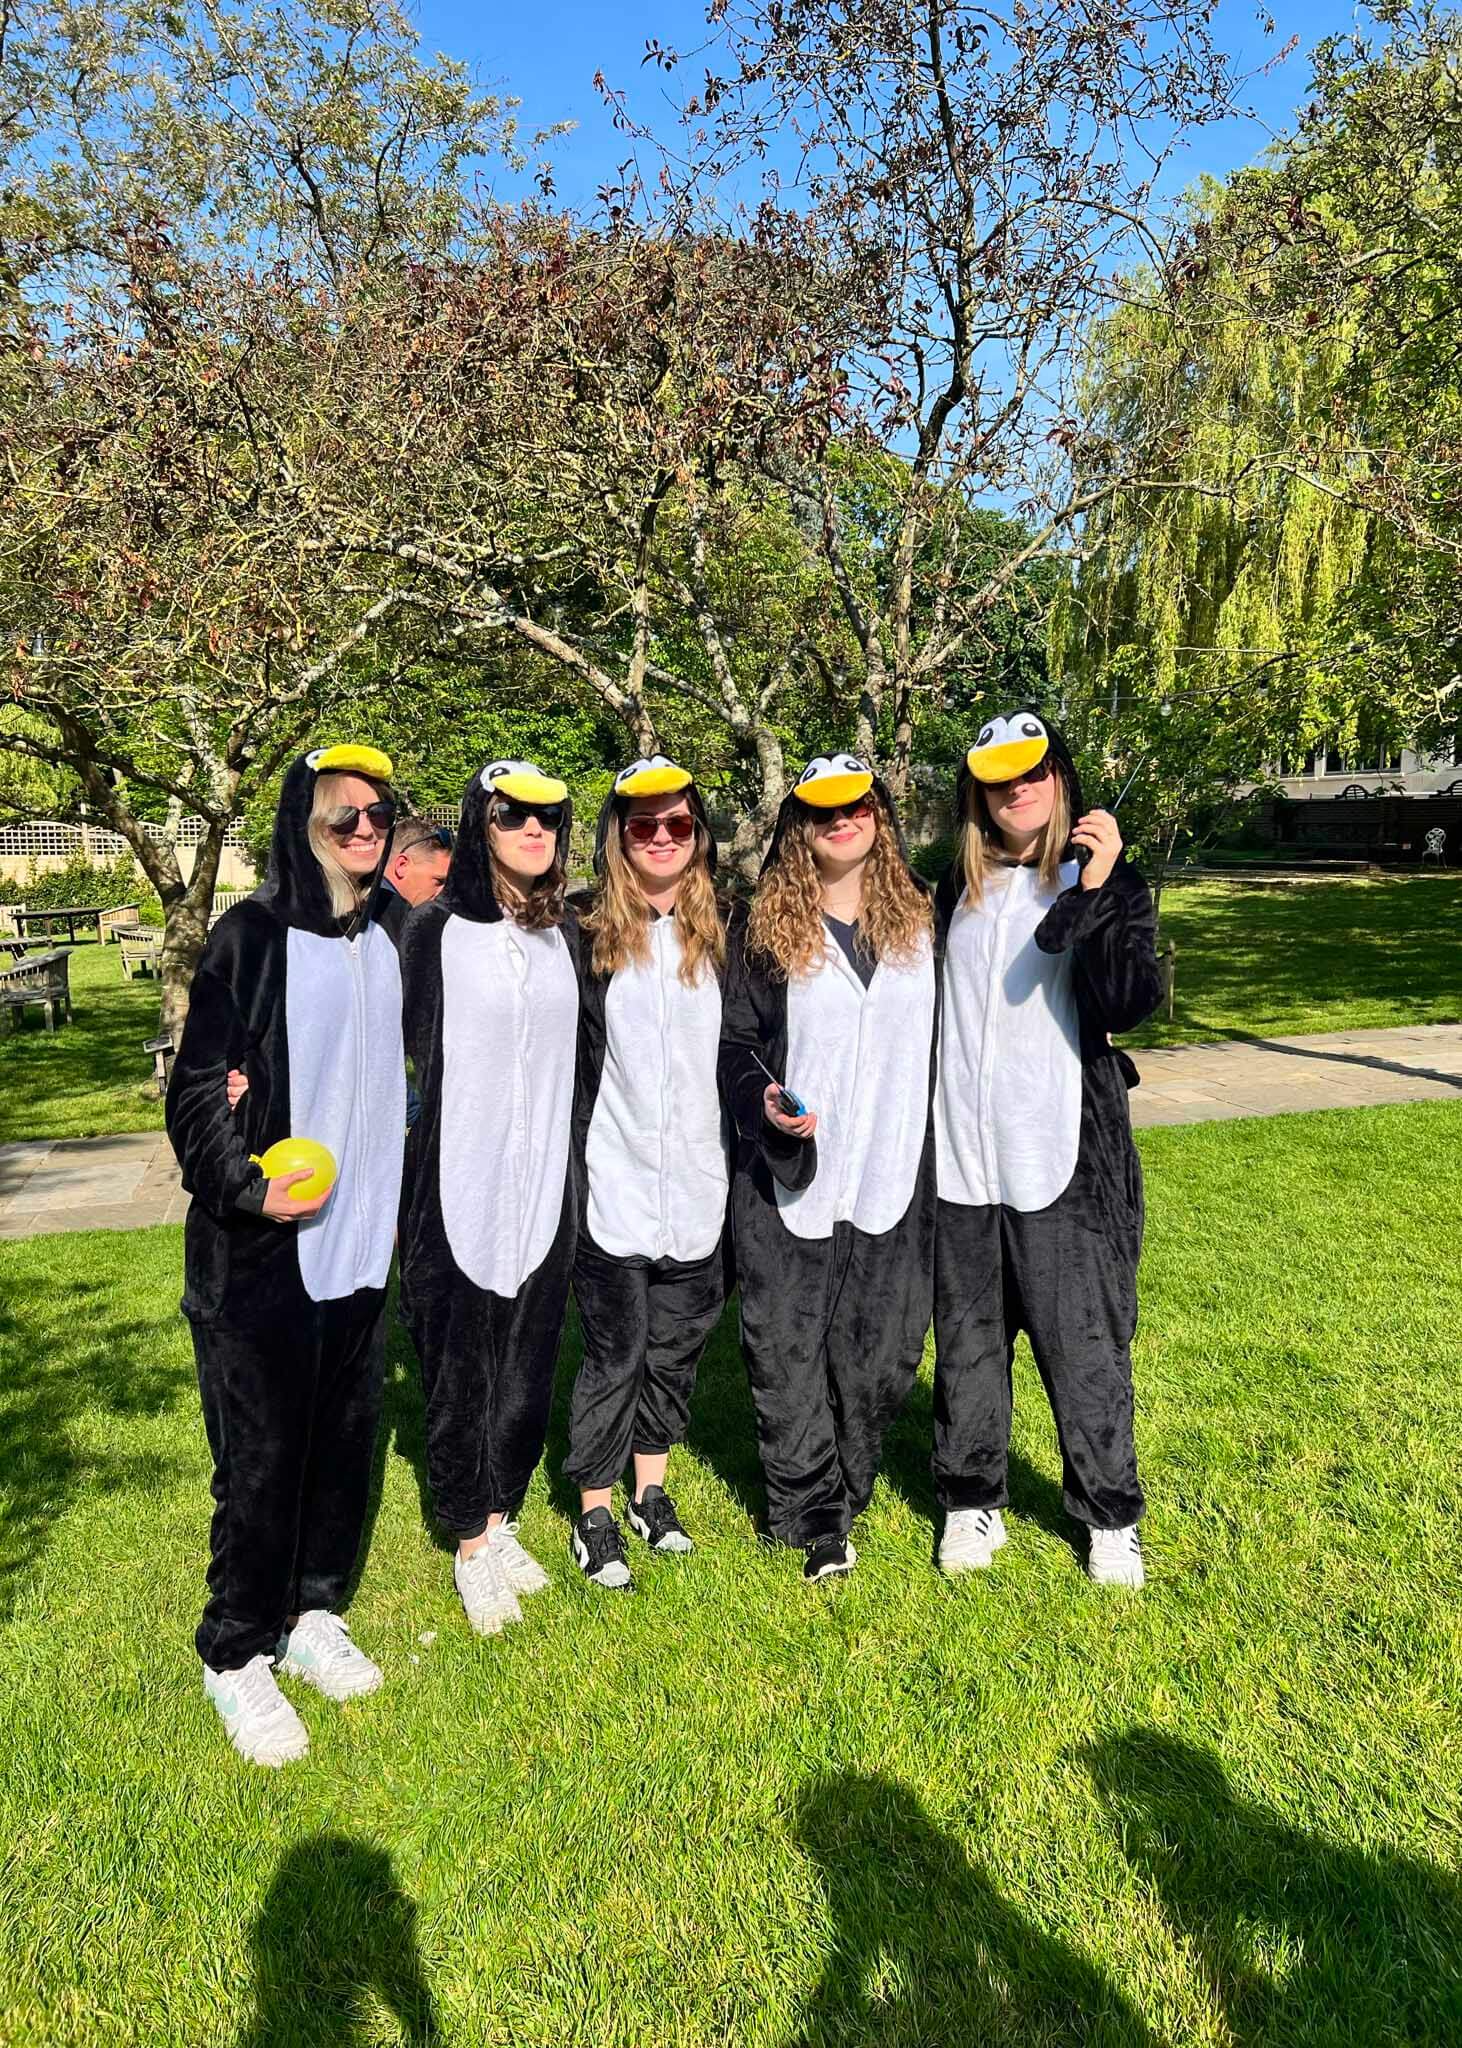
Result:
[[660, 1514], [483, 1565], [327, 1635], [256, 1689], [505, 1537], [604, 1543]]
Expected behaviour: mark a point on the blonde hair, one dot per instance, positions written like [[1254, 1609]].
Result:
[[620, 917], [983, 849], [786, 912], [346, 891]]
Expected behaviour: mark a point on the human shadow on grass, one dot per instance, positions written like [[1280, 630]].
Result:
[[1372, 1941], [336, 1935], [925, 1950], [70, 1359]]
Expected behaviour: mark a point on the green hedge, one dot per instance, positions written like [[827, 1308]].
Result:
[[81, 882]]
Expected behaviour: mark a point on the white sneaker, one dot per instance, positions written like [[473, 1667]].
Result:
[[318, 1649], [261, 1723], [521, 1569], [489, 1601], [1115, 1558], [970, 1540]]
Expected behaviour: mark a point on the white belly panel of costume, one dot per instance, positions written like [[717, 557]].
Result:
[[347, 1090], [656, 1150], [1007, 1104], [860, 1058], [510, 1014]]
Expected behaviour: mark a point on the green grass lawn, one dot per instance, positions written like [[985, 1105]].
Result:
[[92, 1077], [1013, 1813], [1358, 953]]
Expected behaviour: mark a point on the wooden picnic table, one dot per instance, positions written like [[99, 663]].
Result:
[[79, 913]]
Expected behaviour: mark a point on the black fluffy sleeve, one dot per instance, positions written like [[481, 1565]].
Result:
[[421, 990], [1112, 932], [754, 1020], [243, 956]]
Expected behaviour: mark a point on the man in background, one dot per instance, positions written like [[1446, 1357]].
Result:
[[420, 856]]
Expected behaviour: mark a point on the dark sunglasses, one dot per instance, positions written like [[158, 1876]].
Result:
[[512, 817], [441, 835], [343, 822], [860, 807], [1039, 773], [644, 831]]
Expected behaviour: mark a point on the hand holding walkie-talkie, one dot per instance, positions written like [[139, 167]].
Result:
[[784, 1110]]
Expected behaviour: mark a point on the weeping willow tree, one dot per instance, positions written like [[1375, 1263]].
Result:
[[1293, 559]]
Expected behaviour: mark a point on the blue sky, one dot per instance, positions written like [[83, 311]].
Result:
[[547, 51]]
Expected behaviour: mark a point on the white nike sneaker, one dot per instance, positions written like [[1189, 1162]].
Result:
[[970, 1540], [521, 1569], [488, 1600], [261, 1723], [1115, 1558], [318, 1649]]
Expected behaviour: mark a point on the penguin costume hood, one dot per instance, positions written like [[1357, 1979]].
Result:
[[293, 886], [309, 1005], [827, 781], [1007, 745], [468, 890], [655, 776]]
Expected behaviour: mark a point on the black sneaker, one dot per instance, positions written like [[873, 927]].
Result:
[[654, 1521], [828, 1557], [597, 1549]]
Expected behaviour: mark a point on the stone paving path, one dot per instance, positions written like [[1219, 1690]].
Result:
[[128, 1182], [1192, 1084]]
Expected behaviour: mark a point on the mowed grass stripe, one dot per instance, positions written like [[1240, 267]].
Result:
[[732, 1808]]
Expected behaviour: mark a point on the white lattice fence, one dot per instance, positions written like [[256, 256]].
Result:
[[48, 839]]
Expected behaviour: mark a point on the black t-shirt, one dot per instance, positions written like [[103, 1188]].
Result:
[[847, 937]]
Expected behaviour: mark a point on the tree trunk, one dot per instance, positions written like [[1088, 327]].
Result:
[[749, 842], [185, 930]]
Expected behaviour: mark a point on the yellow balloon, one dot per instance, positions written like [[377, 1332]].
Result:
[[291, 1155]]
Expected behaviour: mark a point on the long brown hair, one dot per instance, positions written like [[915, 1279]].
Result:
[[619, 917], [541, 906], [346, 891], [786, 912], [983, 848]]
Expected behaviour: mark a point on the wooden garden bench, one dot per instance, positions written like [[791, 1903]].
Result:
[[110, 924], [141, 952], [44, 979]]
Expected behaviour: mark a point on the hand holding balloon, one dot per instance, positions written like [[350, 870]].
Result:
[[300, 1174]]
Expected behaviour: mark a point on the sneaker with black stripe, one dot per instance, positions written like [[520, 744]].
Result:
[[597, 1549], [654, 1521]]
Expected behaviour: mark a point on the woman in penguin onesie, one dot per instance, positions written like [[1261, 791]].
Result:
[[488, 1215], [286, 1296], [648, 1276], [829, 1029], [1049, 947]]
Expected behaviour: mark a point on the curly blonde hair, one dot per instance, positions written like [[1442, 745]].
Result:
[[983, 848], [786, 912], [619, 917]]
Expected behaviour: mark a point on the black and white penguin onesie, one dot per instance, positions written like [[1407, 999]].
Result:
[[650, 1132], [287, 1319], [488, 1214], [1040, 1188], [834, 1235]]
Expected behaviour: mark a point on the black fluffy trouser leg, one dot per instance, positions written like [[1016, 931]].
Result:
[[832, 1330], [487, 1365], [645, 1324], [291, 1409], [1069, 1280]]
